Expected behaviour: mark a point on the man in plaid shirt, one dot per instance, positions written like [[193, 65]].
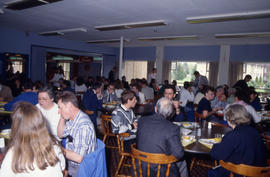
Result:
[[78, 130]]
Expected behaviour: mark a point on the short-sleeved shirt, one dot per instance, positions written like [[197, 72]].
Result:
[[204, 105], [83, 135]]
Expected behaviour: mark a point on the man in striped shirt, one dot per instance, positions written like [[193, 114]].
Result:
[[78, 130]]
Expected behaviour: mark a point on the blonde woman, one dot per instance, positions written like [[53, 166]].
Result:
[[32, 150]]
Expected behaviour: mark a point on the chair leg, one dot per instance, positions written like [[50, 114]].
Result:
[[192, 164], [104, 139], [119, 166]]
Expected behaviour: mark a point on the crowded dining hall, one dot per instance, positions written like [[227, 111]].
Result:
[[134, 88]]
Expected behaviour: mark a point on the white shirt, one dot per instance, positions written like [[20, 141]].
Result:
[[56, 78], [52, 116], [186, 96], [198, 98], [141, 97], [118, 92], [56, 171], [80, 88]]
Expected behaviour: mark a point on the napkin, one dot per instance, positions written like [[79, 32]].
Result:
[[186, 143], [209, 142]]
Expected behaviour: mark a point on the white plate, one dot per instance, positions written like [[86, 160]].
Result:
[[188, 138]]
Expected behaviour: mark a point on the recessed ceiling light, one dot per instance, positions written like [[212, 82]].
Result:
[[25, 4], [243, 35], [61, 32], [106, 41], [229, 17], [131, 25], [186, 37]]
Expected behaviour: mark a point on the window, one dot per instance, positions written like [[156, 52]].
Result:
[[66, 68], [260, 73], [135, 69], [183, 71]]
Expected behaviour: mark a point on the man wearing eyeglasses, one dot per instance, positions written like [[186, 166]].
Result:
[[109, 94]]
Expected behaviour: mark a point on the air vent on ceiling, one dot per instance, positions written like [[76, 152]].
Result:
[[61, 32], [52, 34], [25, 4], [243, 35], [107, 41], [187, 37], [131, 25], [229, 17]]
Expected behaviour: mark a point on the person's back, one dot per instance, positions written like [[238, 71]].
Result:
[[156, 134], [148, 93]]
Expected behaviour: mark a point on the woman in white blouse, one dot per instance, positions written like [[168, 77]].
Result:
[[32, 150], [49, 108]]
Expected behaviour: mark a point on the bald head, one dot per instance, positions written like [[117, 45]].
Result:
[[164, 107]]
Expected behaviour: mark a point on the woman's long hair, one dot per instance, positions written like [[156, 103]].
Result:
[[31, 141]]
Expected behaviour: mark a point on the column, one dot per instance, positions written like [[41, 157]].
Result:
[[223, 67], [159, 63]]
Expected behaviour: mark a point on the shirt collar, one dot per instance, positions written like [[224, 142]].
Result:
[[123, 107]]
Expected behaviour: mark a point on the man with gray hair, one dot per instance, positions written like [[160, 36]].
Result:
[[155, 134]]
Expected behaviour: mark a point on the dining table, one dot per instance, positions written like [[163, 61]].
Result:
[[199, 132]]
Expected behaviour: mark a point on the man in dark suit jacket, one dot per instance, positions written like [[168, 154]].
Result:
[[155, 134], [92, 101]]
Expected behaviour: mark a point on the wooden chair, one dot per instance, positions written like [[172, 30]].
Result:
[[124, 156], [245, 170], [151, 158], [107, 131], [198, 117]]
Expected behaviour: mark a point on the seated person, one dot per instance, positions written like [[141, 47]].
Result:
[[28, 96], [220, 98], [118, 88], [243, 145], [241, 97], [5, 93], [156, 134], [147, 91], [123, 118], [186, 101], [204, 106], [231, 93], [109, 94], [92, 101], [140, 96], [255, 100], [33, 151], [199, 95], [66, 86]]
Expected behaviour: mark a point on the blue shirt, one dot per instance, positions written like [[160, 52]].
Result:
[[91, 102], [30, 97]]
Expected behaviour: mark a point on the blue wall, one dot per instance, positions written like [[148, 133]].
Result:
[[250, 53], [34, 45], [139, 53], [192, 53]]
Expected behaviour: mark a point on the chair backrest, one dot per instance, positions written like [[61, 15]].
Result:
[[245, 170], [120, 143], [106, 124], [198, 116], [151, 158]]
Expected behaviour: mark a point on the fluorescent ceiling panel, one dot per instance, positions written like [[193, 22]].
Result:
[[131, 25], [107, 41], [243, 35], [229, 17], [187, 37], [25, 4], [61, 32]]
